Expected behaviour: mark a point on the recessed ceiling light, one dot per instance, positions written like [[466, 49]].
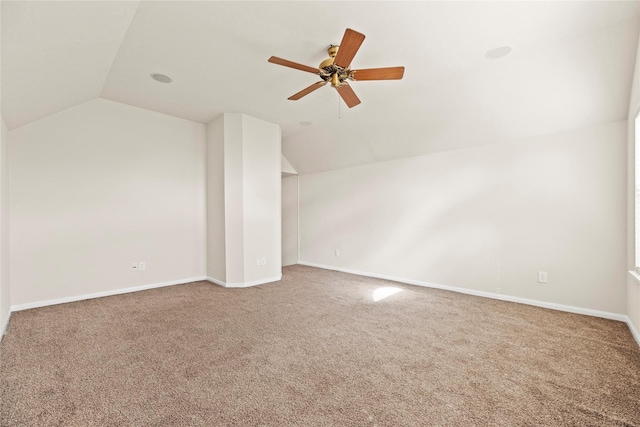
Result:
[[305, 123], [498, 52], [161, 78]]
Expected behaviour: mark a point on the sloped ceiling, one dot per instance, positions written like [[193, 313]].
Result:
[[571, 66]]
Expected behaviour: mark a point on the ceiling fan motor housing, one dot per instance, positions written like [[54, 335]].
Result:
[[332, 73], [332, 51]]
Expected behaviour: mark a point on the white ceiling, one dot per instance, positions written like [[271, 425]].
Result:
[[571, 66]]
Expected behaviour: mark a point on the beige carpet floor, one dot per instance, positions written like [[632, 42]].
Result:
[[314, 349]]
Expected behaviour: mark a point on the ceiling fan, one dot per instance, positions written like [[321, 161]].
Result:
[[335, 69]]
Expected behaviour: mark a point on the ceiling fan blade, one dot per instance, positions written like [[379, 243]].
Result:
[[348, 95], [390, 73], [349, 46], [291, 64], [307, 91]]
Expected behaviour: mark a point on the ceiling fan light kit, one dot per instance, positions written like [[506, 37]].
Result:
[[335, 69]]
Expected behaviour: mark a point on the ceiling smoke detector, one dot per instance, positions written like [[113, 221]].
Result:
[[161, 78], [498, 52]]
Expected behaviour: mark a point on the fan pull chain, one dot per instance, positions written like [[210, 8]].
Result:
[[339, 104]]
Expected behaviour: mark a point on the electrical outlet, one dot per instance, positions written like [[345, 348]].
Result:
[[337, 252], [142, 266], [543, 277], [134, 266], [264, 261]]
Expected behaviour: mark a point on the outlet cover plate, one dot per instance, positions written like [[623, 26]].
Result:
[[543, 277]]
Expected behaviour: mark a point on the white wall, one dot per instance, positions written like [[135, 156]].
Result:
[[97, 187], [633, 285], [5, 291], [215, 200], [285, 166], [289, 220], [233, 199], [486, 218], [244, 204], [262, 204], [5, 295]]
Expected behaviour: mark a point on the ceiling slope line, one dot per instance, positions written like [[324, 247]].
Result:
[[115, 55]]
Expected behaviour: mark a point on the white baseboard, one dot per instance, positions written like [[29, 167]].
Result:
[[216, 281], [537, 303], [45, 303], [245, 284], [634, 331], [5, 323]]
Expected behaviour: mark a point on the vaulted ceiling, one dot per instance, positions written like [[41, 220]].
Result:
[[571, 66]]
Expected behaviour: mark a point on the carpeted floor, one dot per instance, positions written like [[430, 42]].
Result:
[[314, 349]]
